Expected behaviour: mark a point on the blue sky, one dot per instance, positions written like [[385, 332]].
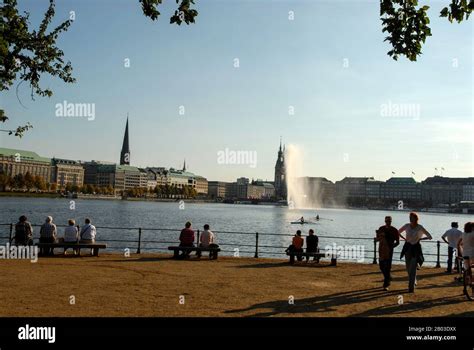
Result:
[[337, 119]]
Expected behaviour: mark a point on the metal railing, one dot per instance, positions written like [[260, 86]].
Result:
[[142, 244]]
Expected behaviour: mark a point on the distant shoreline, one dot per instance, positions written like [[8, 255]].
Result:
[[190, 200]]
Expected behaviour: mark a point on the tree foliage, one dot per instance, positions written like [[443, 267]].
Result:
[[185, 13], [407, 24], [28, 54]]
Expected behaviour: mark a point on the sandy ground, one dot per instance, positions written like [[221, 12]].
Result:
[[155, 285]]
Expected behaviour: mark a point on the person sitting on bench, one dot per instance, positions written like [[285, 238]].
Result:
[[207, 241], [296, 247], [312, 244], [71, 235], [48, 235], [88, 233], [186, 239], [23, 232]]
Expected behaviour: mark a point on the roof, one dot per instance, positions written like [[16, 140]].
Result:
[[440, 180], [401, 181], [355, 180], [27, 155], [105, 168], [65, 161]]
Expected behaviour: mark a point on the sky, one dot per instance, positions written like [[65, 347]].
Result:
[[315, 73]]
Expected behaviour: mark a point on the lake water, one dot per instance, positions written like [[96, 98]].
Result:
[[351, 227]]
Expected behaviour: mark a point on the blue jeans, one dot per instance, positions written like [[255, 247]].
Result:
[[411, 262]]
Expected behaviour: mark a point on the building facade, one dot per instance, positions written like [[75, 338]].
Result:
[[444, 190], [401, 188], [14, 162], [352, 188], [217, 189], [67, 172]]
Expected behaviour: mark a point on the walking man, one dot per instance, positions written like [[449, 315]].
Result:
[[388, 238]]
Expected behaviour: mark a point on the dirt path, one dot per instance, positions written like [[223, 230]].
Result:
[[154, 285]]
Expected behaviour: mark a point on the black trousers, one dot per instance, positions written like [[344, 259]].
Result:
[[386, 267], [47, 251], [299, 257]]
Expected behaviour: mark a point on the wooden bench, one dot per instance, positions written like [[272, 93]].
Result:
[[177, 249], [317, 255], [75, 246]]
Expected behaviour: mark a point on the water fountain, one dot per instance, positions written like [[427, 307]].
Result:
[[301, 191]]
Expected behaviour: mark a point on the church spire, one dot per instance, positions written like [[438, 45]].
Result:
[[125, 153], [184, 165]]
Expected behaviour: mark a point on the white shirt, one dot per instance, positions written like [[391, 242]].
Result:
[[207, 237], [70, 234], [413, 235], [453, 236], [468, 244], [88, 232]]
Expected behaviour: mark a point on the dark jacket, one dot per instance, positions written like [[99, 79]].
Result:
[[312, 243], [415, 250]]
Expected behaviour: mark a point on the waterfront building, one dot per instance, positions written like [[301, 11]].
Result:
[[266, 189], [217, 189], [317, 189], [400, 188], [468, 193], [67, 172], [444, 190], [120, 177], [352, 187], [202, 185], [15, 161], [373, 188]]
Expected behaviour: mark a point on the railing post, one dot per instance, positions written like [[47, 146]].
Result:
[[11, 232], [375, 252], [197, 238], [139, 240], [438, 246], [256, 245]]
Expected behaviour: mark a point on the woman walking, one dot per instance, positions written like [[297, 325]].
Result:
[[414, 233]]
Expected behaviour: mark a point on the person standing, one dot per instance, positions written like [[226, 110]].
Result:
[[452, 237], [186, 239], [466, 248], [48, 234], [412, 248], [388, 238]]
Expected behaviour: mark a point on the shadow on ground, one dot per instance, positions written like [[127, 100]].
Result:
[[281, 264], [330, 303]]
